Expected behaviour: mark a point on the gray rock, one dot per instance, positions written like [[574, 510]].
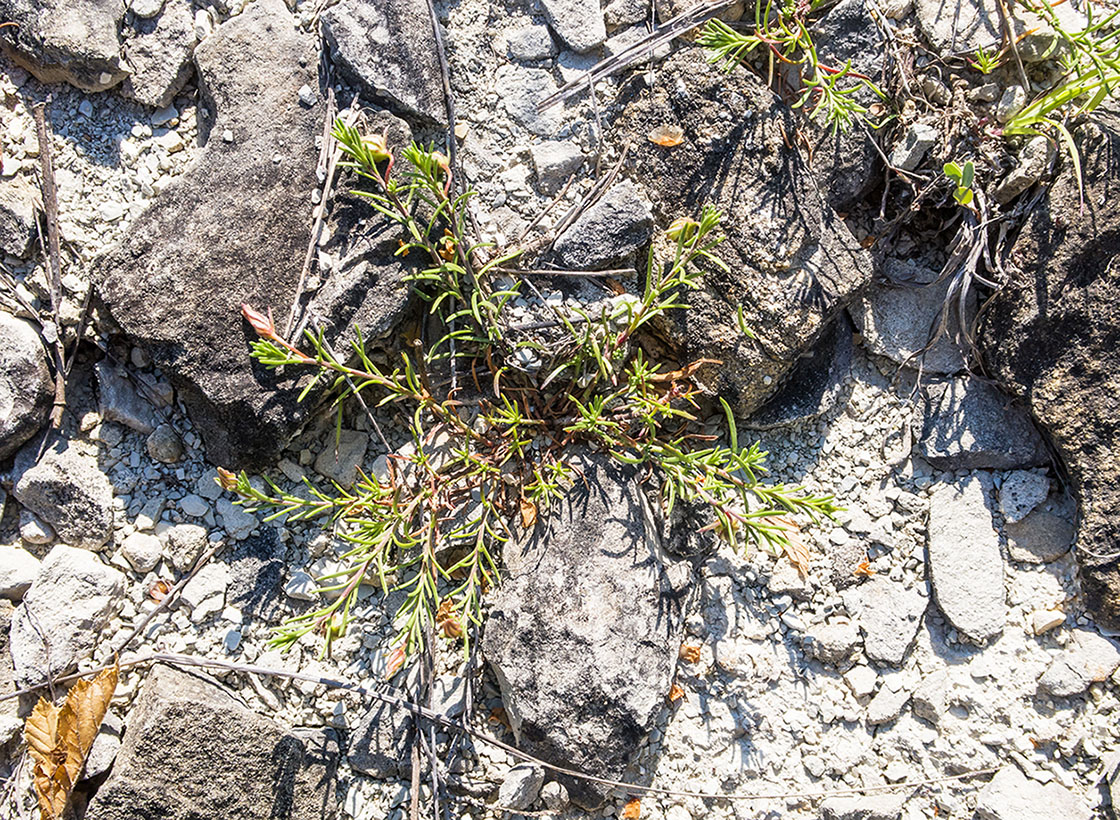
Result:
[[18, 199], [863, 807], [301, 586], [33, 529], [18, 569], [72, 41], [184, 543], [1020, 493], [833, 644], [912, 148], [555, 796], [530, 43], [226, 760], [256, 576], [792, 263], [585, 629], [965, 563], [520, 89], [9, 709], [387, 48], [339, 460], [26, 387], [105, 746], [1034, 160], [555, 162], [120, 401], [142, 551], [176, 281], [206, 592], [1011, 795], [1010, 103], [967, 424], [931, 699], [159, 50], [814, 385], [164, 444], [194, 506], [611, 230], [898, 317], [886, 706], [618, 13], [889, 616], [1051, 335], [1088, 658], [521, 786], [964, 26], [379, 744], [1039, 538], [846, 160], [68, 491], [59, 621], [145, 8], [579, 23]]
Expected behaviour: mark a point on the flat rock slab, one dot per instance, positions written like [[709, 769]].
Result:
[[578, 23], [965, 563], [889, 616], [26, 386], [1052, 337], [159, 51], [192, 750], [793, 264], [232, 229], [586, 627], [1011, 795], [72, 41], [968, 424], [387, 47], [1088, 658], [58, 624]]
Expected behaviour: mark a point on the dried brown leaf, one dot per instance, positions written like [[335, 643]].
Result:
[[795, 548], [59, 738], [528, 513], [667, 136], [675, 693], [632, 810], [690, 654]]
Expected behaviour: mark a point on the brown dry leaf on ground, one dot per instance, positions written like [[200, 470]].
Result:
[[795, 548], [528, 513], [667, 136], [632, 810], [59, 738], [676, 693]]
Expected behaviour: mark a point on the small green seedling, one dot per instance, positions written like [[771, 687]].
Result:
[[963, 176], [986, 61]]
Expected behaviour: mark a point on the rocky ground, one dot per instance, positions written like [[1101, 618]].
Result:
[[948, 654]]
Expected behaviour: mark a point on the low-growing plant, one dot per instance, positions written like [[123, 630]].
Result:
[[963, 176], [986, 61], [493, 451], [781, 32]]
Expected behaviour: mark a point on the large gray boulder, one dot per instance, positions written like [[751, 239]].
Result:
[[192, 750], [1052, 337], [793, 265], [67, 489], [387, 48], [72, 41], [26, 387], [585, 629], [59, 621], [234, 229]]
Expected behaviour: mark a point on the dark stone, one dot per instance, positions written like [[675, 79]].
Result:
[[387, 48], [192, 750], [26, 386], [67, 489], [1052, 337], [814, 385], [379, 746], [585, 629], [967, 424], [234, 229], [845, 160], [17, 217], [792, 263], [256, 575], [72, 41], [159, 51], [612, 229]]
